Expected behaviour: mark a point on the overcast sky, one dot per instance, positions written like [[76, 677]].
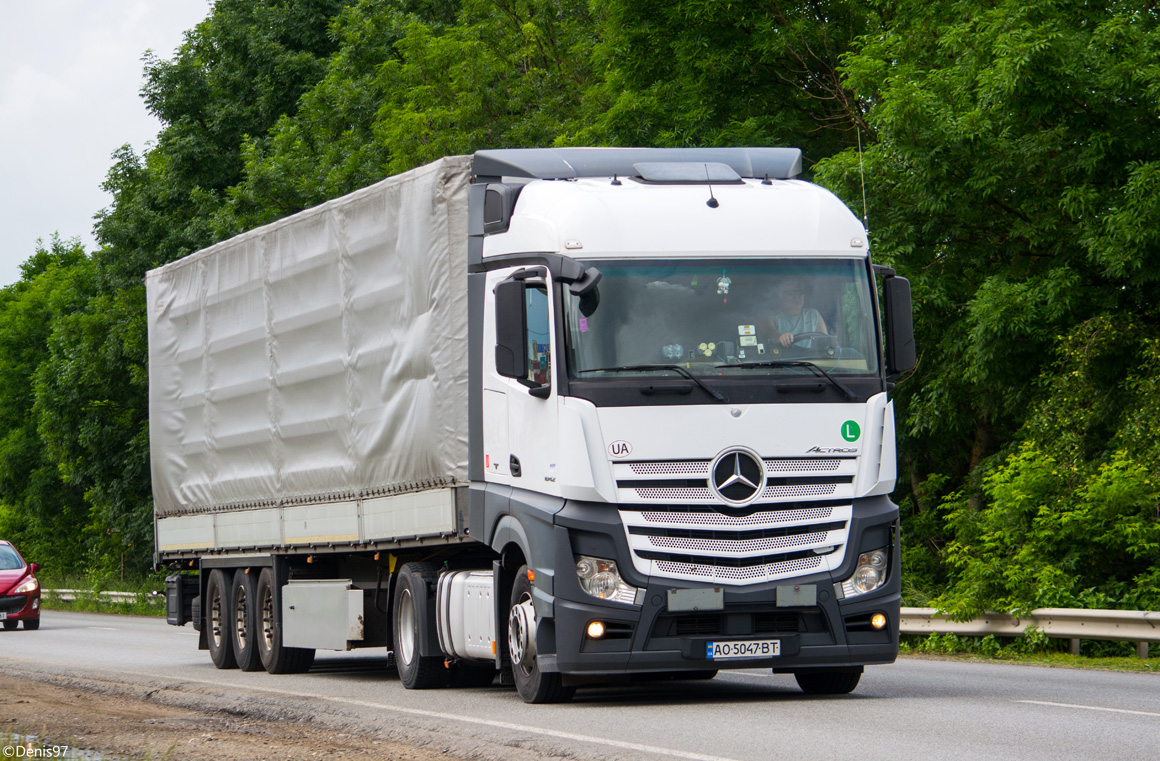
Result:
[[70, 77]]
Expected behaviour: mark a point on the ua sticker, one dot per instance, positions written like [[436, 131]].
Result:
[[620, 449], [851, 431]]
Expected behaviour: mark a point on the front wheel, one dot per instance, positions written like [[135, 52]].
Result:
[[828, 681], [412, 624], [534, 686], [31, 624]]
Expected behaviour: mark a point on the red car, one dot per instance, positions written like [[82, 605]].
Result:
[[19, 590]]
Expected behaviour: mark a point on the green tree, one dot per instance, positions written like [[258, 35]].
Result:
[[235, 75], [45, 515], [720, 73], [1012, 178], [412, 82]]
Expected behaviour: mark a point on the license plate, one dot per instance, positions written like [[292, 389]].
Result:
[[3, 616], [762, 648]]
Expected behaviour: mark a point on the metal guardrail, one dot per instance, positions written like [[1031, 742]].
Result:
[[72, 594], [1139, 626]]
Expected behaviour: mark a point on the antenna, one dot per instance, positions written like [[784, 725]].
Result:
[[862, 172], [712, 202]]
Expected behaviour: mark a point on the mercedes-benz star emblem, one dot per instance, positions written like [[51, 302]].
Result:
[[738, 477]]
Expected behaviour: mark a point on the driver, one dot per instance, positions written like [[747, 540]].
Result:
[[791, 317]]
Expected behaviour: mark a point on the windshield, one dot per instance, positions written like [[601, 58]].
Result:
[[9, 560], [724, 317]]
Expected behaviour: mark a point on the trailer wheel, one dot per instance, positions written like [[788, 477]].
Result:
[[244, 622], [268, 633], [413, 610], [534, 686], [217, 620], [828, 681]]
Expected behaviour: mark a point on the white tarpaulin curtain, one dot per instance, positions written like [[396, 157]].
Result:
[[321, 357]]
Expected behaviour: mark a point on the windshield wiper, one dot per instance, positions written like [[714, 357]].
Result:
[[675, 368], [799, 363]]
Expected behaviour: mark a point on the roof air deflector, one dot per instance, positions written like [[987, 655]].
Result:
[[685, 173], [573, 163]]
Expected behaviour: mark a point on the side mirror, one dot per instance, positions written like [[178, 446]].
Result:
[[511, 358], [33, 567], [900, 352]]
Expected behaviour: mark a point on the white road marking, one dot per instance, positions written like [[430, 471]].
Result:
[[620, 745], [104, 628], [1088, 708]]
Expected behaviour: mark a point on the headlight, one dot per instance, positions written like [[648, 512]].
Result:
[[868, 575], [599, 578], [30, 585]]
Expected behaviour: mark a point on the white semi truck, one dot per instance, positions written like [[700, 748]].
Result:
[[562, 415]]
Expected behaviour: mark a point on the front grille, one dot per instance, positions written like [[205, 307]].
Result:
[[739, 624], [809, 465], [678, 527], [705, 545], [799, 490], [760, 518], [692, 626], [700, 467], [12, 603], [740, 575], [776, 623]]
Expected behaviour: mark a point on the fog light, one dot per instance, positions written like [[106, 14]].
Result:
[[878, 621], [596, 629]]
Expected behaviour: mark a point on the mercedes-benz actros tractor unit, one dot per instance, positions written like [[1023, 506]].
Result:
[[564, 416]]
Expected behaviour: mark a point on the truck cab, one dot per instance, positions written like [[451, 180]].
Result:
[[682, 425]]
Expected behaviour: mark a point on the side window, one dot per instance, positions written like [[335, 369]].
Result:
[[538, 341]]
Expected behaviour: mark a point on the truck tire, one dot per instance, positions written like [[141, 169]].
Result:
[[534, 686], [217, 620], [275, 658], [412, 621], [828, 681], [244, 623]]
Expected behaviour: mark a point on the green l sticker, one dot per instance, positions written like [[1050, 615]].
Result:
[[851, 431]]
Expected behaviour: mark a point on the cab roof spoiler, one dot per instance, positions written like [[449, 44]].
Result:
[[573, 163]]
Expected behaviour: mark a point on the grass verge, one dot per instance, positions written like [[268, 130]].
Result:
[[148, 595], [1035, 651]]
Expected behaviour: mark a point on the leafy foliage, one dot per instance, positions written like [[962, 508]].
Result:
[[1012, 161], [42, 513], [713, 73]]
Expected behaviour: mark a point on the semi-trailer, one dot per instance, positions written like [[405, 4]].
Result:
[[557, 415]]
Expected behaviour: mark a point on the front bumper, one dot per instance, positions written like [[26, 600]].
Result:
[[649, 637], [20, 607]]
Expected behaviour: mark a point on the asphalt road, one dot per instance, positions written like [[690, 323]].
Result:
[[914, 709]]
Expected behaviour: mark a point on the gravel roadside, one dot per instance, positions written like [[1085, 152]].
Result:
[[123, 721]]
